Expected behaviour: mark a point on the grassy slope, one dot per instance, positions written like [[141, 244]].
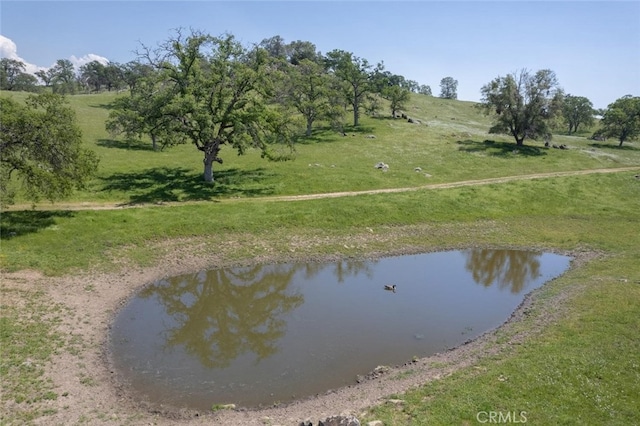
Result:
[[450, 145], [582, 369]]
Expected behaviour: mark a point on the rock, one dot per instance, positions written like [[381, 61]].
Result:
[[375, 423], [377, 372], [340, 421], [417, 169], [381, 369], [371, 136], [384, 167]]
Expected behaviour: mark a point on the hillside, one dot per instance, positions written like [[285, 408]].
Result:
[[444, 146]]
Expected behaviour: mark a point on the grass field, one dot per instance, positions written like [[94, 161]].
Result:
[[450, 144], [582, 369]]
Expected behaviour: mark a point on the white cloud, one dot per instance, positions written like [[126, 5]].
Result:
[[78, 62], [8, 49]]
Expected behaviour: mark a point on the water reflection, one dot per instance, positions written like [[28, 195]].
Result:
[[266, 333], [220, 314], [342, 269], [510, 269]]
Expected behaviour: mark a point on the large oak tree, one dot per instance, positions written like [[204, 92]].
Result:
[[577, 110], [41, 149], [621, 119], [449, 88], [523, 103], [142, 113], [397, 97], [213, 92], [14, 77], [308, 90], [356, 74], [63, 77]]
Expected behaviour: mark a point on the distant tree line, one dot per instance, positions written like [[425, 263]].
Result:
[[63, 78], [95, 76]]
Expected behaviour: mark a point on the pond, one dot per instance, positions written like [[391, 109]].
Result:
[[266, 334]]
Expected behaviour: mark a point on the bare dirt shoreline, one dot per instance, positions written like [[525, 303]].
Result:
[[90, 391]]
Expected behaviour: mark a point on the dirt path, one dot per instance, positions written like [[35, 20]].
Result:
[[475, 182]]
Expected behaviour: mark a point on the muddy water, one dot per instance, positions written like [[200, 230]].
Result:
[[264, 334]]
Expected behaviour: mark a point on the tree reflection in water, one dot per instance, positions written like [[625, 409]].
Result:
[[342, 269], [223, 313], [262, 333], [507, 268]]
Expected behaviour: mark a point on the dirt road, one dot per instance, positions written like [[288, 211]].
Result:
[[475, 182]]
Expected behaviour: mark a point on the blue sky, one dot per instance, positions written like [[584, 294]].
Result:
[[594, 47]]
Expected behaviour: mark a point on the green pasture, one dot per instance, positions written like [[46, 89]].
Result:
[[582, 368], [450, 144]]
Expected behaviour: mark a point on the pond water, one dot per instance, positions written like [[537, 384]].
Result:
[[266, 334]]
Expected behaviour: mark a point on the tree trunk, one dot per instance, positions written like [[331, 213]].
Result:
[[210, 150], [208, 169], [519, 141], [356, 115], [153, 142], [309, 124]]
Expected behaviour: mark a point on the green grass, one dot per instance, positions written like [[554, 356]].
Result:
[[581, 369], [450, 144], [56, 242], [27, 340]]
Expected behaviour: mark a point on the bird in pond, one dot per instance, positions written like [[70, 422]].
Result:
[[390, 287]]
